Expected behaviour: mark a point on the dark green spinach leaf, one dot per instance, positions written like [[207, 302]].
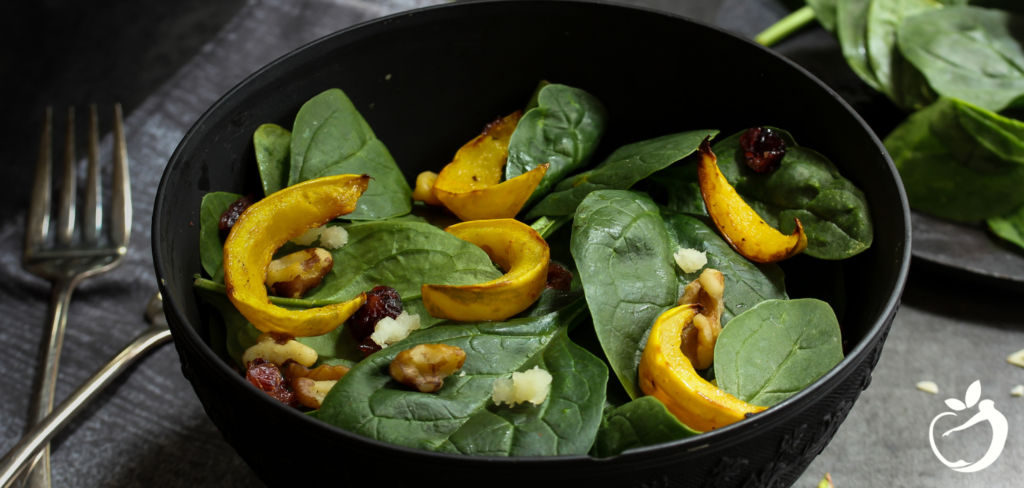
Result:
[[825, 12], [1009, 227], [330, 137], [626, 166], [968, 53], [746, 283], [624, 257], [776, 349], [897, 78], [563, 130], [461, 417], [273, 145], [641, 422], [211, 248], [960, 162], [852, 31]]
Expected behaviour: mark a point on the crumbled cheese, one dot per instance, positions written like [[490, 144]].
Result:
[[332, 237], [529, 386], [928, 387], [462, 374], [391, 330], [690, 260], [1017, 390], [1017, 358]]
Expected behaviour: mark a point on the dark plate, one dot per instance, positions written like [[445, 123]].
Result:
[[967, 250], [452, 68]]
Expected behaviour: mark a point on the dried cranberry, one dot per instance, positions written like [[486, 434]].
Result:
[[227, 221], [559, 278], [267, 377], [368, 346], [382, 301], [763, 149]]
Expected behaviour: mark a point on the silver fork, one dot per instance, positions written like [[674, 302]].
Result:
[[66, 262]]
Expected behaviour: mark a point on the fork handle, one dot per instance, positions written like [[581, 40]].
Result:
[[39, 476], [17, 459]]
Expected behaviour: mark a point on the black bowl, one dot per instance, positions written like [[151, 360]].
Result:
[[426, 79]]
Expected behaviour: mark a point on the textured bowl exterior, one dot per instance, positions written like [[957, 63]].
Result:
[[424, 81]]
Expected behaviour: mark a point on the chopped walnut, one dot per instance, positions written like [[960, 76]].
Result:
[[311, 393], [295, 274], [324, 372], [699, 338], [425, 366], [271, 348]]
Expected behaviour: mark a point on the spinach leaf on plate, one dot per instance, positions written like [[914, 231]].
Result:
[[641, 422], [624, 167], [776, 349], [746, 283], [897, 78], [211, 248], [960, 162], [624, 256], [330, 137], [563, 130], [273, 145], [1009, 227], [461, 417], [852, 31], [968, 53]]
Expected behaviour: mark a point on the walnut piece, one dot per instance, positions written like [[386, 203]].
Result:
[[699, 338], [295, 274], [425, 366], [311, 393], [324, 372], [272, 348]]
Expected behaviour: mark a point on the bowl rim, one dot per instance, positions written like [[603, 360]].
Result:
[[720, 438]]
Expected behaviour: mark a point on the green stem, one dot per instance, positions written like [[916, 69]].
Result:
[[215, 287], [783, 28], [545, 226]]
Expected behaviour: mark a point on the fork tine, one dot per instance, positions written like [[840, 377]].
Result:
[[39, 207], [66, 212], [121, 196], [93, 211]]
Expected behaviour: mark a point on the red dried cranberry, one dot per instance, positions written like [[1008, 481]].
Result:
[[382, 301], [559, 278], [227, 221], [267, 377], [368, 346], [763, 149]]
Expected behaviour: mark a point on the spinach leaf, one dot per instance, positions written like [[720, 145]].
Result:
[[273, 145], [211, 249], [825, 12], [1009, 227], [960, 162], [626, 166], [776, 349], [969, 53], [461, 417], [852, 31], [563, 130], [682, 188], [330, 137], [807, 186], [641, 422], [897, 78], [746, 283], [624, 256]]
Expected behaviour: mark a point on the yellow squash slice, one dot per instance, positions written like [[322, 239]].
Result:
[[266, 226], [513, 245]]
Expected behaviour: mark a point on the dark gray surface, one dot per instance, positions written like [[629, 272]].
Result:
[[149, 430]]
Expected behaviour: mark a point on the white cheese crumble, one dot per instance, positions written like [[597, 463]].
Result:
[[531, 386], [690, 260], [1017, 358], [462, 374], [332, 237], [1017, 390], [391, 330], [928, 387]]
